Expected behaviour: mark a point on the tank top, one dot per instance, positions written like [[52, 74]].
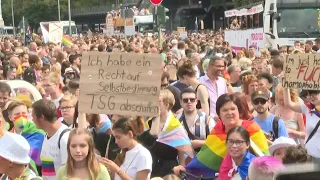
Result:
[[198, 106]]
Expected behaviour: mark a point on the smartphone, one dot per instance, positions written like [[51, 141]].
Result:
[[299, 172]]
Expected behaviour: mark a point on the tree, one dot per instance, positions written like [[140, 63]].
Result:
[[43, 10], [239, 3]]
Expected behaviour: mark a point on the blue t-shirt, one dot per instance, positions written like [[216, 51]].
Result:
[[266, 126]]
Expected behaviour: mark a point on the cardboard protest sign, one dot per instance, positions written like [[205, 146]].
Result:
[[120, 83], [302, 71]]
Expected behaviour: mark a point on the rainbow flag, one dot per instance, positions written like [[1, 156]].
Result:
[[174, 135], [66, 41], [209, 159], [35, 138]]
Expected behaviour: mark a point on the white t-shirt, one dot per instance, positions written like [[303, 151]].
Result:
[[52, 157], [137, 159], [56, 101], [313, 146]]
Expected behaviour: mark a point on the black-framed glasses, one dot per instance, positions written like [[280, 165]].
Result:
[[186, 100], [238, 143], [66, 108], [259, 101]]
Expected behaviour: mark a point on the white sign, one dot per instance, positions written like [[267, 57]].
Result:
[[183, 35], [244, 38], [243, 12], [109, 26], [55, 32], [130, 30]]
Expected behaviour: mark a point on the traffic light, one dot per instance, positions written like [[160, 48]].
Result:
[[162, 14]]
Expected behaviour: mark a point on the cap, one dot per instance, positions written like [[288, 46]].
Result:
[[281, 142], [15, 148], [174, 41], [68, 70], [18, 51], [260, 94]]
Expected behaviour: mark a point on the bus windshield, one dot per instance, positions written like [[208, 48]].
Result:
[[66, 29], [299, 23]]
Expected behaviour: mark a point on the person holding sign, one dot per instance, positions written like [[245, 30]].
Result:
[[165, 155], [312, 114]]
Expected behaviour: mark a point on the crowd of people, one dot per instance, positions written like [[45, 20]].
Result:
[[240, 121]]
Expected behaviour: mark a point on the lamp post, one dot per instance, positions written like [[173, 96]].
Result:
[[69, 9], [59, 16], [12, 13]]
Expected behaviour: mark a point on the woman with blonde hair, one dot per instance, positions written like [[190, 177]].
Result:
[[82, 162], [249, 85], [293, 120], [166, 156]]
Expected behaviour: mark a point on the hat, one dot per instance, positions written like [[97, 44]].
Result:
[[15, 148], [260, 94], [281, 142], [18, 51], [68, 70], [174, 41], [25, 99]]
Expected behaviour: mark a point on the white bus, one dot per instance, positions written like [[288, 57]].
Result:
[[6, 30], [273, 23]]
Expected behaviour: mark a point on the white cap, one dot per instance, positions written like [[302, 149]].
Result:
[[68, 70], [174, 41], [15, 148], [281, 142]]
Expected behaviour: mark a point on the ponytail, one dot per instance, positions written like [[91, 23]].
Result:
[[120, 157]]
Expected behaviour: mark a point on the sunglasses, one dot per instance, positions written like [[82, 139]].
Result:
[[186, 100], [164, 85], [259, 101]]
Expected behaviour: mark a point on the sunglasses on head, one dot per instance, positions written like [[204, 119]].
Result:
[[259, 101], [186, 100], [164, 85]]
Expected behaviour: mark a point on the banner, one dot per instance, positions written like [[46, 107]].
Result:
[[109, 31], [120, 83], [245, 38], [302, 71], [243, 12], [55, 32]]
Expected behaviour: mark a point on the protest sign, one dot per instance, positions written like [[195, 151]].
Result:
[[302, 71], [120, 83], [55, 32]]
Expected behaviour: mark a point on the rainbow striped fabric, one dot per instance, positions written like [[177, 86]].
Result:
[[48, 167], [209, 159], [174, 135], [66, 41], [35, 138]]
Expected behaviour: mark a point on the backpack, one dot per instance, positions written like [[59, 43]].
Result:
[[61, 135], [275, 128]]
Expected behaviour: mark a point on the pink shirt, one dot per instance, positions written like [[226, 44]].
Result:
[[215, 89]]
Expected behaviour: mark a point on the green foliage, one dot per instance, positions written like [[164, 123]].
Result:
[[236, 3], [239, 3], [43, 10]]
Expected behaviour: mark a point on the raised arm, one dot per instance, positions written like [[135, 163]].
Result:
[[288, 102], [203, 96]]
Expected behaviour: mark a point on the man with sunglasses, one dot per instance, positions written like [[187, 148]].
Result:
[[197, 124], [272, 126]]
